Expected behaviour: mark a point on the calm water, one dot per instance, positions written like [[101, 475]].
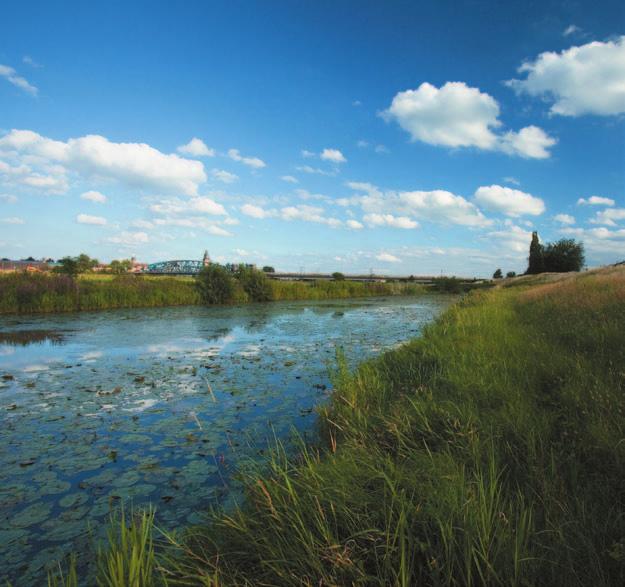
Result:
[[160, 406]]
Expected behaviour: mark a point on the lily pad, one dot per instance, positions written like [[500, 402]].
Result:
[[31, 515], [73, 500]]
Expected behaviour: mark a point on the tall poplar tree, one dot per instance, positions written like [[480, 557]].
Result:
[[536, 259]]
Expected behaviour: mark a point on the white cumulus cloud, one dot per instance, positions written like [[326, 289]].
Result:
[[134, 164], [609, 216], [530, 142], [94, 196], [253, 162], [456, 115], [589, 79], [289, 179], [196, 148], [88, 219], [390, 220], [387, 258], [453, 116], [512, 237], [596, 201], [308, 214], [354, 224], [333, 155], [201, 204], [224, 176], [509, 201], [12, 220], [438, 206], [255, 211], [564, 219]]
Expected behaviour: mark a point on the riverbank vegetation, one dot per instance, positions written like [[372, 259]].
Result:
[[490, 451], [24, 293]]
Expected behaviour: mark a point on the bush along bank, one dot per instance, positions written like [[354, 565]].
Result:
[[489, 452]]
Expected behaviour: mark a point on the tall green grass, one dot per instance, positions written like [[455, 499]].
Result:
[[22, 293], [491, 451]]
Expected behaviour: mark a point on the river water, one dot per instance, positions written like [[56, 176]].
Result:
[[161, 406]]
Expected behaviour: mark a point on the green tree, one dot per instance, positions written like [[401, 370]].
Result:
[[67, 266], [268, 269], [216, 285], [338, 276], [511, 274], [498, 274], [536, 262], [255, 284], [120, 266], [564, 255], [85, 263]]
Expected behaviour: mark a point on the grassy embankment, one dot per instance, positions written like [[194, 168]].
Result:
[[30, 293], [491, 451]]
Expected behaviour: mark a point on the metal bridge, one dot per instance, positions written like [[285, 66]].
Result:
[[176, 267]]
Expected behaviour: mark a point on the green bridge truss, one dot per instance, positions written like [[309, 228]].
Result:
[[177, 267]]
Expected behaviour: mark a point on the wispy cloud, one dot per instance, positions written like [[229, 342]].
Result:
[[13, 78]]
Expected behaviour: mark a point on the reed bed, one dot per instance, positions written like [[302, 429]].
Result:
[[22, 293]]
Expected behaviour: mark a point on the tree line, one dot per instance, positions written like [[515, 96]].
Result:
[[561, 256]]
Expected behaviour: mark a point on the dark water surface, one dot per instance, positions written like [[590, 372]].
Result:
[[160, 406]]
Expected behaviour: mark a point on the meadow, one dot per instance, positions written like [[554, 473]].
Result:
[[490, 451], [22, 293]]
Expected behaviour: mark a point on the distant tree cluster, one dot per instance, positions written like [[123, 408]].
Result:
[[219, 285], [73, 266], [119, 266], [499, 274], [338, 276], [557, 257]]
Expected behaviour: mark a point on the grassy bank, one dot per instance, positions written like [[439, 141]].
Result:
[[489, 452], [29, 293]]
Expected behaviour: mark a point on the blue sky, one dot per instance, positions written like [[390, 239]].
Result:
[[402, 137]]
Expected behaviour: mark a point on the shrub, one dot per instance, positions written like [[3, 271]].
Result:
[[216, 285], [338, 276], [448, 284], [67, 266], [255, 284], [268, 269], [511, 274]]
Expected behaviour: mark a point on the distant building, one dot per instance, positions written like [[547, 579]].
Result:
[[136, 266], [31, 265]]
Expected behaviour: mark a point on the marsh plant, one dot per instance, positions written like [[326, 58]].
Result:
[[23, 293]]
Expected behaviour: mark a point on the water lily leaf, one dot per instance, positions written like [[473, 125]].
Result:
[[30, 515], [73, 500]]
